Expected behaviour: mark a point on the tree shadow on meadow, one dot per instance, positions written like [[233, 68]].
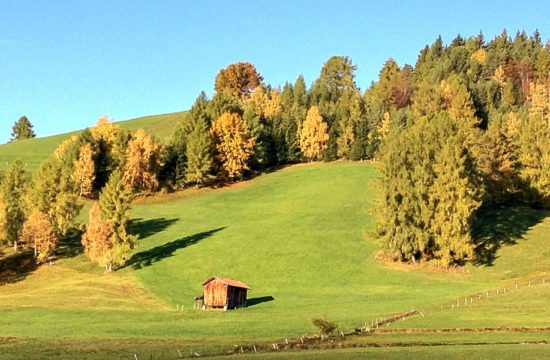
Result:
[[17, 267], [259, 300], [156, 254], [146, 228], [70, 246], [498, 226]]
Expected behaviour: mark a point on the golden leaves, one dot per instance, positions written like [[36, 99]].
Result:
[[313, 135], [233, 143]]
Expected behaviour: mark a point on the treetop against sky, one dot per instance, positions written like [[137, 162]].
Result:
[[67, 63]]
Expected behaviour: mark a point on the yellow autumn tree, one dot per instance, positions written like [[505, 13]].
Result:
[[500, 78], [110, 134], [84, 170], [539, 102], [313, 135], [142, 162], [39, 234], [97, 239], [385, 125], [234, 144], [3, 221], [61, 152]]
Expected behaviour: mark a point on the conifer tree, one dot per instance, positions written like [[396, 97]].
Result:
[[114, 203], [198, 153], [53, 194], [534, 159], [97, 239], [84, 171], [3, 221], [22, 129], [38, 233], [234, 144], [455, 199], [313, 135], [142, 163], [12, 191]]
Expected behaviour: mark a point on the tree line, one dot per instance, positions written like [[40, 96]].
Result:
[[467, 126]]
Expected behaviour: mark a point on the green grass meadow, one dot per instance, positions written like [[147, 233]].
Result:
[[35, 151], [302, 239]]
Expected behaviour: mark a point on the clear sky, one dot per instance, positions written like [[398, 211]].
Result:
[[65, 63]]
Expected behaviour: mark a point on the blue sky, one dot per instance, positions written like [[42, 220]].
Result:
[[65, 63]]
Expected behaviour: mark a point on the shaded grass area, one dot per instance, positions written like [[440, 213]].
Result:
[[502, 226]]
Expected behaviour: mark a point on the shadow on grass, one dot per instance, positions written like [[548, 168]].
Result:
[[156, 254], [502, 226], [259, 300], [146, 228], [70, 246], [17, 267]]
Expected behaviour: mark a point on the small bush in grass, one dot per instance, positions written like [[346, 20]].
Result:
[[324, 327]]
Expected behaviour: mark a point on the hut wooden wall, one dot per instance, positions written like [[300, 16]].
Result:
[[215, 294]]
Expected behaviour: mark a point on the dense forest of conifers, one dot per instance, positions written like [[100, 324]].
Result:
[[467, 126]]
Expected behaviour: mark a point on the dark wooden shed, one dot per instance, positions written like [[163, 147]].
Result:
[[224, 293]]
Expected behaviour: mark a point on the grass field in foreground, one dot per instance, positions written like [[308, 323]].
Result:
[[35, 151], [300, 237]]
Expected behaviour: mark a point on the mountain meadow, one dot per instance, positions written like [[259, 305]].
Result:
[[409, 219]]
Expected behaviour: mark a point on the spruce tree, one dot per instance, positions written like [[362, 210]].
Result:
[[114, 202], [12, 189], [22, 129], [198, 154], [54, 193]]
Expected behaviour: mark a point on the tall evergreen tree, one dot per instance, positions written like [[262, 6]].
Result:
[[199, 153], [115, 205], [12, 189], [22, 129], [54, 193]]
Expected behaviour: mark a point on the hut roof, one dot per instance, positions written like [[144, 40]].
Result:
[[228, 281]]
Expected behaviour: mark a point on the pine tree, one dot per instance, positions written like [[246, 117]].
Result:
[[455, 200], [3, 221], [234, 144], [12, 191], [142, 163], [198, 153], [53, 193], [114, 202], [22, 129], [97, 239], [534, 159], [430, 192], [313, 135], [84, 171], [37, 233]]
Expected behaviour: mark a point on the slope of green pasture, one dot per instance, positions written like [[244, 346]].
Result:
[[302, 239], [34, 151]]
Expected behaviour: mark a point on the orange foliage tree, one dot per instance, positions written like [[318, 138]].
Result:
[[313, 135], [39, 234], [142, 162], [238, 79], [97, 240], [84, 170], [234, 144]]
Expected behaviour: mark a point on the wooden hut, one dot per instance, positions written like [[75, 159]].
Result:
[[223, 293]]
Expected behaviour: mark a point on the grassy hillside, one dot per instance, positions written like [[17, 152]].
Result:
[[301, 238], [34, 151]]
